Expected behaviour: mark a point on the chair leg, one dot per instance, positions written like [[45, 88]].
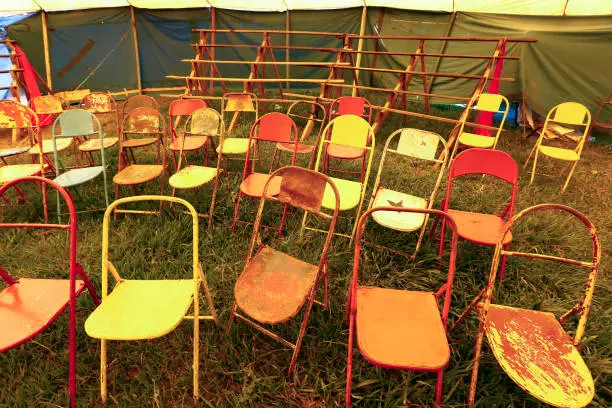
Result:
[[282, 223], [303, 326], [476, 363], [103, 368], [439, 386], [569, 176], [349, 365], [503, 265], [211, 210], [230, 320], [236, 212], [363, 167], [533, 169], [442, 231], [420, 240], [530, 155], [303, 228], [72, 352], [196, 343]]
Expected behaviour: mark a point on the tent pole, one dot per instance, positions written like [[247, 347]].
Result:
[[360, 46], [451, 24], [213, 26], [45, 33], [287, 49], [136, 52]]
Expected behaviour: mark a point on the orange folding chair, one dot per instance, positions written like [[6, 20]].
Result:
[[274, 286], [276, 128], [179, 109], [29, 305], [532, 346], [347, 105], [475, 227], [400, 329], [99, 103]]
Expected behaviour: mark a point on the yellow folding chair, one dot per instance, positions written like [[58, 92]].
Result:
[[491, 103], [147, 309], [351, 131], [274, 286], [234, 104], [417, 146], [567, 113], [532, 346]]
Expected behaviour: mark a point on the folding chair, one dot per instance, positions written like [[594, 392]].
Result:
[[347, 105], [202, 121], [492, 103], [141, 122], [607, 104], [276, 128], [77, 123], [400, 329], [183, 108], [29, 305], [417, 146], [568, 113], [351, 131], [49, 105], [311, 121], [274, 286], [100, 103], [532, 346], [139, 101], [236, 103], [479, 228]]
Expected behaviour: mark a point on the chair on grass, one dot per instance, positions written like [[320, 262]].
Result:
[[476, 227], [347, 105], [77, 123], [484, 103], [100, 103], [29, 305], [274, 286], [139, 101], [234, 104], [400, 329], [351, 131], [571, 114], [421, 148], [201, 121], [182, 109], [274, 128], [51, 105], [532, 346], [137, 309]]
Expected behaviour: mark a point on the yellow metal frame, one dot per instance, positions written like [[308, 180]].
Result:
[[352, 141], [198, 279], [571, 113]]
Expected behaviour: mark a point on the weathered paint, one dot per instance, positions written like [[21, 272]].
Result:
[[302, 190], [205, 122], [47, 105], [240, 103], [143, 120], [98, 102], [13, 115]]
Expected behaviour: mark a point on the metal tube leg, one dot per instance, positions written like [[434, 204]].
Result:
[[533, 169], [475, 364], [103, 367], [349, 365], [236, 211], [231, 317], [569, 176], [439, 386]]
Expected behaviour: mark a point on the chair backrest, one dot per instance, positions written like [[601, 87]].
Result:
[[351, 105], [48, 104], [605, 103], [583, 306], [180, 108], [99, 102], [446, 287], [14, 115], [139, 101], [239, 102], [318, 114], [204, 122], [486, 103], [75, 123], [568, 113], [143, 121]]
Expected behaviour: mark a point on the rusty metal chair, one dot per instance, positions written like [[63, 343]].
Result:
[[138, 101], [100, 103], [179, 110]]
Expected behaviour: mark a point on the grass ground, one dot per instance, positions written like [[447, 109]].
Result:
[[246, 368]]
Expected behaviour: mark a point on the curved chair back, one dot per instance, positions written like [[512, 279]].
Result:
[[274, 127], [568, 113], [139, 101], [180, 108], [99, 102], [144, 121], [16, 116], [48, 104], [351, 105]]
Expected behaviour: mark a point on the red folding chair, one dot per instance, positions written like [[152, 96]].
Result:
[[29, 305], [275, 128], [400, 329], [179, 109], [475, 227]]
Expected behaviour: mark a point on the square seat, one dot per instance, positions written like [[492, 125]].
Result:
[[535, 351], [78, 176], [28, 306], [401, 329], [191, 143], [349, 191], [274, 286], [474, 140], [479, 228], [345, 152], [399, 221], [192, 177], [138, 174], [254, 184], [234, 145], [93, 145], [559, 153], [141, 309], [139, 142], [15, 171], [47, 146], [301, 148]]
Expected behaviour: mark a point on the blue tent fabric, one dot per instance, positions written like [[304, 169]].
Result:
[[5, 63]]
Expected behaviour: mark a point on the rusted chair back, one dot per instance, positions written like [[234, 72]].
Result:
[[48, 105], [139, 101]]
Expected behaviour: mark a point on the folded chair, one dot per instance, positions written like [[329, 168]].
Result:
[[100, 103], [274, 286], [178, 111], [421, 148], [571, 114], [29, 305], [138, 309], [274, 128], [351, 131], [532, 346], [400, 329], [202, 121]]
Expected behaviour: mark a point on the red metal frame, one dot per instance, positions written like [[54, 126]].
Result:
[[75, 269], [445, 289]]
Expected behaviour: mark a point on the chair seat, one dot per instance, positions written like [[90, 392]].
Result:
[[479, 228], [139, 142], [401, 329], [138, 174], [28, 306], [191, 143], [75, 177], [274, 286], [559, 153], [192, 177], [350, 194], [14, 151], [234, 145], [254, 184], [47, 145], [141, 309], [474, 140], [93, 145], [344, 152], [535, 351], [301, 148], [399, 221], [15, 171]]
